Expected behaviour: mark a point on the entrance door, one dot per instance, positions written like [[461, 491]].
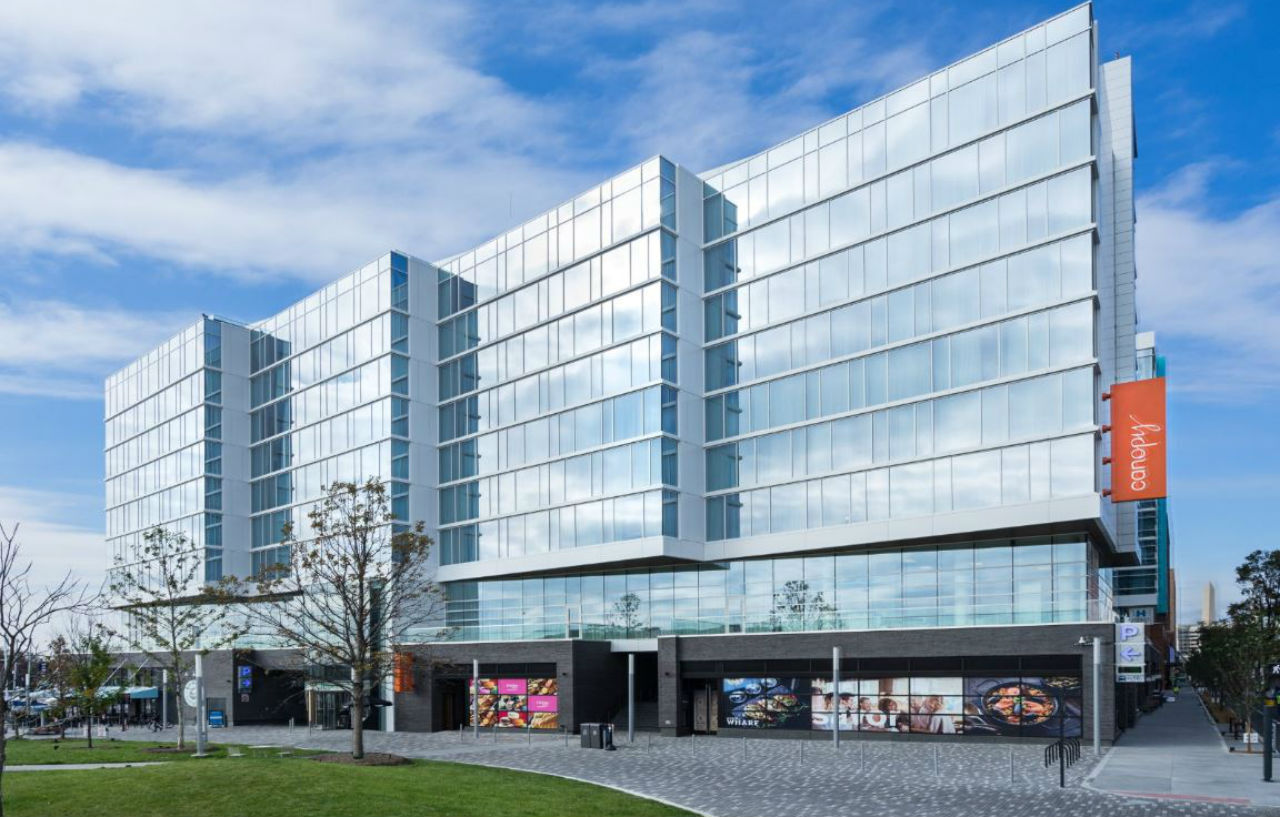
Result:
[[327, 706], [455, 709], [706, 709]]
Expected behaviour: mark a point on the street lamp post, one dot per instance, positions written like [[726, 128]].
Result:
[[1097, 695]]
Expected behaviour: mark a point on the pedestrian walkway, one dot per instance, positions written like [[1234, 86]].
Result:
[[1176, 753], [750, 777], [78, 767]]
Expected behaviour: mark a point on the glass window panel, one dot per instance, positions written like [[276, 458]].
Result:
[[975, 233], [911, 489], [972, 480], [957, 422], [907, 136], [973, 109], [832, 169], [995, 415], [1071, 333], [1072, 466], [1077, 398], [1070, 200], [1077, 265], [910, 371], [955, 177], [786, 401]]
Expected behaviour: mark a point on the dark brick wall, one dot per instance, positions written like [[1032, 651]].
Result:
[[671, 714]]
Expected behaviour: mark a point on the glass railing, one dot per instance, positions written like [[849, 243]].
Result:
[[569, 621]]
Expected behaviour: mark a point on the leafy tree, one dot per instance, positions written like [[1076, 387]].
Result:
[[170, 611], [1234, 652], [25, 611], [1259, 581], [1230, 661], [82, 664], [346, 595]]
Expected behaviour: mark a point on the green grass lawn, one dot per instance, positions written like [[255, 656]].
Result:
[[31, 751], [284, 787]]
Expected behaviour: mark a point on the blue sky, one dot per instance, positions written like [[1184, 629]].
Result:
[[156, 163]]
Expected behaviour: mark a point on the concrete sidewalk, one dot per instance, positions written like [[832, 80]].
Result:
[[78, 767], [1177, 753]]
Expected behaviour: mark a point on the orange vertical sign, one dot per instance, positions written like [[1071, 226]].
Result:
[[1138, 440], [403, 675]]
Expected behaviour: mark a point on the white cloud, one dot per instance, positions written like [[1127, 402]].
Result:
[[315, 222], [1211, 281], [58, 349], [305, 138], [53, 545], [710, 94], [293, 72]]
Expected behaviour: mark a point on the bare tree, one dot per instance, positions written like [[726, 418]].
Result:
[[347, 595], [170, 612], [25, 611]]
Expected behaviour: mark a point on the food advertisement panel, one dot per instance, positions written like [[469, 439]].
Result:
[[517, 703], [1028, 706], [1009, 706], [766, 703]]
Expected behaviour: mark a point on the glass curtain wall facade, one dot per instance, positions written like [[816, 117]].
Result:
[[850, 382], [164, 446], [328, 401], [899, 321]]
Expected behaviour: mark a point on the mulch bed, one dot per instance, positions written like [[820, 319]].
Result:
[[168, 750], [369, 759]]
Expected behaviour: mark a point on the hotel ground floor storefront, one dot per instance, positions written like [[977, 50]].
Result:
[[1013, 681]]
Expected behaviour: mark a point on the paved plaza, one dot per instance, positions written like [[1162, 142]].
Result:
[[743, 778]]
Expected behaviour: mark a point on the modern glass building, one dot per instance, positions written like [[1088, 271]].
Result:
[[842, 393]]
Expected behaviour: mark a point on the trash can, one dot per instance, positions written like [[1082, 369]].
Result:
[[591, 737], [606, 736]]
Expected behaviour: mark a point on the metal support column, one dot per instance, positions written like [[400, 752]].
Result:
[[835, 694], [631, 697], [200, 704], [475, 698]]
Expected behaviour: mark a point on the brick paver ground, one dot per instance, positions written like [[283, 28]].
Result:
[[748, 777]]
